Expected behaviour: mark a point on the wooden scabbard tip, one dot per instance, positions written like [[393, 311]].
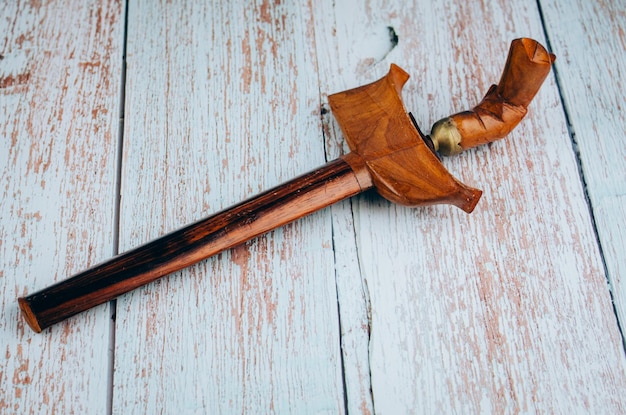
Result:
[[27, 312]]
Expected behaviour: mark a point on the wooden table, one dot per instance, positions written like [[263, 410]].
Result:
[[119, 123]]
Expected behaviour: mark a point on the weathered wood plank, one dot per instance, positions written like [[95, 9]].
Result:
[[505, 310], [591, 38], [59, 96], [222, 102]]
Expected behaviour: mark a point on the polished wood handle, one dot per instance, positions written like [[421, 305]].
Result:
[[504, 105], [276, 207]]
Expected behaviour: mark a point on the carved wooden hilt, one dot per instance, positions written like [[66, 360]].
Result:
[[388, 153]]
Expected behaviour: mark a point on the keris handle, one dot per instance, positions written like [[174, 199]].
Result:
[[504, 105]]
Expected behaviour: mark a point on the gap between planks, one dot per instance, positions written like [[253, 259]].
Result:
[[116, 214]]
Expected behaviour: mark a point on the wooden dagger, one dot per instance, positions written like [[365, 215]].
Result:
[[388, 153]]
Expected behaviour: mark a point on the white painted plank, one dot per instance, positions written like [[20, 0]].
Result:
[[59, 98], [506, 310], [590, 37], [222, 102]]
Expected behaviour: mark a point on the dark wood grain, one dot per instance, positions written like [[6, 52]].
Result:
[[275, 207]]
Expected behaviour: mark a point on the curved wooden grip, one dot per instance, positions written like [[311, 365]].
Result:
[[504, 105]]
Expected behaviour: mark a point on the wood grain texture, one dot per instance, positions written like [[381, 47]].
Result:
[[222, 102], [59, 95], [364, 307], [591, 37], [502, 311]]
